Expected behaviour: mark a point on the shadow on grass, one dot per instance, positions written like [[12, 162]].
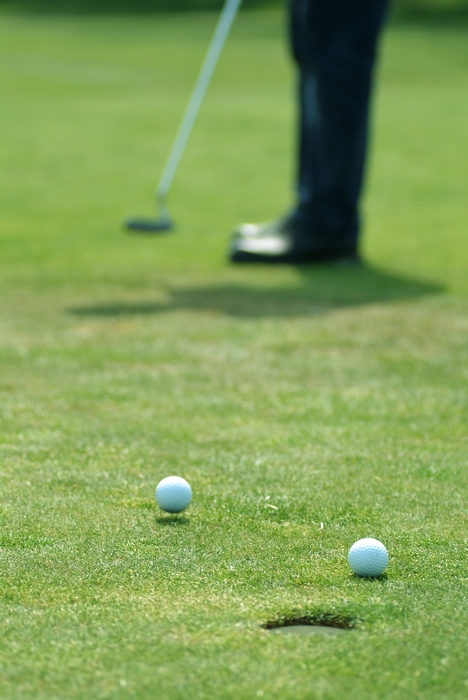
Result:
[[172, 520], [372, 579], [318, 290]]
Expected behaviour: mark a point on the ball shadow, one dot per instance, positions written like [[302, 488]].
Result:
[[172, 520], [373, 579]]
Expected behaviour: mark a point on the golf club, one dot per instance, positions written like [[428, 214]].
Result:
[[164, 222]]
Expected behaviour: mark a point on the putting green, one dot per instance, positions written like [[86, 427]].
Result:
[[306, 408]]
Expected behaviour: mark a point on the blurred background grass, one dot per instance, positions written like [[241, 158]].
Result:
[[436, 9]]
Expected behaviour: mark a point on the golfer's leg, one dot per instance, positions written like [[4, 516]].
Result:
[[334, 43]]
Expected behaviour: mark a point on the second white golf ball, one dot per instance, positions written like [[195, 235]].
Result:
[[173, 494], [368, 557]]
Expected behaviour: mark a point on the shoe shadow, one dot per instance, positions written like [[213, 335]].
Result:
[[320, 289]]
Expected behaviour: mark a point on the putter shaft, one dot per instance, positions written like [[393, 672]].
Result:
[[221, 32]]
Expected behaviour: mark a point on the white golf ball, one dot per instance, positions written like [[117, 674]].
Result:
[[173, 494], [368, 557]]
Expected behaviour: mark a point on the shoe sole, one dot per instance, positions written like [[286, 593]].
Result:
[[340, 258]]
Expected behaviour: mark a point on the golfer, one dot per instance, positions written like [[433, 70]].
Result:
[[334, 45]]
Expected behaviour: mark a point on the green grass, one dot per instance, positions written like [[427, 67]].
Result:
[[337, 396]]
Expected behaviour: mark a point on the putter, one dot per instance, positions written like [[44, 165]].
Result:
[[164, 222]]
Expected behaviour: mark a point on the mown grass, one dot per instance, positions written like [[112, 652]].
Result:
[[307, 408]]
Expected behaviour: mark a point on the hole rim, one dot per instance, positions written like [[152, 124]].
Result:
[[313, 618]]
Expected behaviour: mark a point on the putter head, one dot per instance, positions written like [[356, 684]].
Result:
[[149, 226]]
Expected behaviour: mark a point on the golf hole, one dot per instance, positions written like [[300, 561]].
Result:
[[325, 624]]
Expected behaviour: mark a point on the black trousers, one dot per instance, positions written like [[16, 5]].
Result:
[[334, 44]]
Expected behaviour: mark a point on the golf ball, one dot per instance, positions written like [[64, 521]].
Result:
[[173, 494], [368, 557]]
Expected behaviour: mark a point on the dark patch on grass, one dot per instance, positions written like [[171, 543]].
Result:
[[119, 7], [172, 520], [382, 577], [321, 289], [439, 13], [339, 620]]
